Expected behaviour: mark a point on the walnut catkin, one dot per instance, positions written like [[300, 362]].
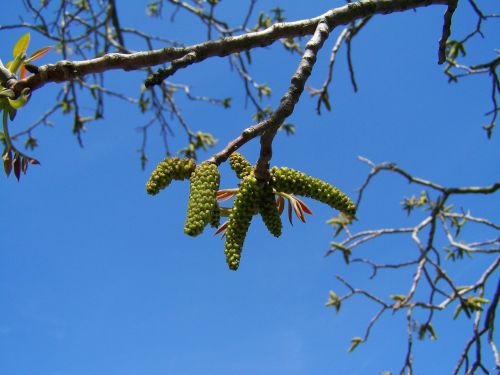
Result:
[[240, 165], [290, 181], [268, 209], [239, 220], [167, 170], [204, 185]]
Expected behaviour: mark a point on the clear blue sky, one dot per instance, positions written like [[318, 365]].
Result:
[[96, 277]]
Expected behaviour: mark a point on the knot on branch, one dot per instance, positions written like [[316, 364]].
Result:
[[162, 74]]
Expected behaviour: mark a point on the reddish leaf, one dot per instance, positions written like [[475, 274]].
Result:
[[304, 206], [298, 210], [39, 53], [224, 195], [17, 166], [22, 72], [33, 161], [290, 211], [24, 165], [7, 162], [222, 228], [280, 202]]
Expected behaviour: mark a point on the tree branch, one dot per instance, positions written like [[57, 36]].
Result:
[[289, 99], [68, 70]]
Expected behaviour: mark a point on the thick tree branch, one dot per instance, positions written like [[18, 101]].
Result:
[[452, 6], [289, 100], [68, 70], [267, 128]]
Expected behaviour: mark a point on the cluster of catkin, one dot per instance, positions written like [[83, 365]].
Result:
[[253, 197]]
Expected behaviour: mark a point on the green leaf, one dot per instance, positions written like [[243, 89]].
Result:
[[12, 113], [21, 101], [355, 341], [326, 101], [7, 93], [226, 103], [424, 328], [21, 46], [421, 331], [333, 301], [346, 252], [397, 297], [432, 332]]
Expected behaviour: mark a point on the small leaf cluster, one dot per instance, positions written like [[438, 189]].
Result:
[[198, 141], [154, 8], [470, 304], [454, 49], [425, 329], [334, 301], [410, 203], [13, 159]]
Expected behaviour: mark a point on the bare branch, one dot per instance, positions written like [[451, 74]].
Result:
[[452, 6]]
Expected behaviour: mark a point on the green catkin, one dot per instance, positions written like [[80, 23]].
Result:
[[204, 185], [167, 170], [269, 210], [215, 217], [239, 220], [240, 165], [291, 181]]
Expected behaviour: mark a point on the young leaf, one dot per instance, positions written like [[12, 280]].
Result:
[[297, 209], [280, 202], [12, 113], [39, 53], [17, 166], [222, 228], [21, 101], [303, 206], [421, 332], [226, 194], [7, 93], [290, 211], [24, 165], [397, 297], [22, 72], [355, 341], [432, 332], [21, 45], [7, 162]]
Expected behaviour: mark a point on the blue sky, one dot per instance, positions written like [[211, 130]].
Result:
[[97, 277]]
